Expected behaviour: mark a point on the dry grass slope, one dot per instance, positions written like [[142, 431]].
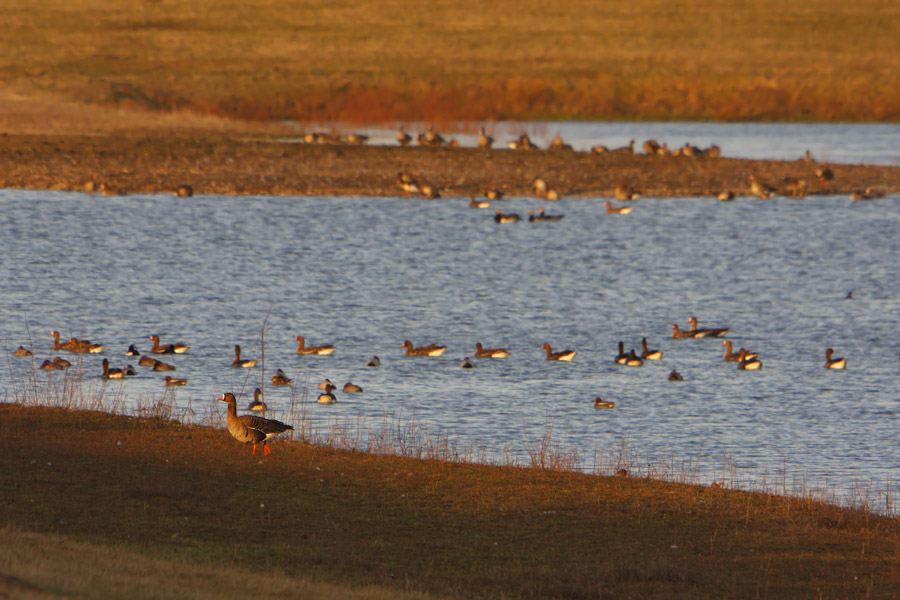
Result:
[[405, 60], [190, 500]]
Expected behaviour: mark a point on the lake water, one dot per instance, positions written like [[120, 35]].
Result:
[[365, 274]]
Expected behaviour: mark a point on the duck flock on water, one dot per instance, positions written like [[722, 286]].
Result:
[[257, 429]]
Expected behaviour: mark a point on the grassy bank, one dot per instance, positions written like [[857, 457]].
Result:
[[184, 499], [403, 60]]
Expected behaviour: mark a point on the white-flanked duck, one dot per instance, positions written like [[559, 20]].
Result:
[[174, 381], [112, 373], [500, 217], [257, 404], [707, 331], [166, 349], [429, 350], [736, 356], [601, 403], [302, 348], [564, 355], [482, 352], [238, 361], [616, 210], [834, 363], [649, 354], [250, 429], [748, 364], [279, 378]]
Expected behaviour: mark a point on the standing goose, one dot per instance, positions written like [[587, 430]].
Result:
[[302, 348], [238, 362], [834, 363], [484, 140], [403, 138], [429, 350], [649, 354], [565, 355], [250, 428], [705, 332], [482, 352], [166, 349]]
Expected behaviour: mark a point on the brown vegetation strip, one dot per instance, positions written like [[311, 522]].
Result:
[[218, 164], [193, 494]]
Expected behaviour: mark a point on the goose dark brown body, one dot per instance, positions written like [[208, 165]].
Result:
[[250, 429]]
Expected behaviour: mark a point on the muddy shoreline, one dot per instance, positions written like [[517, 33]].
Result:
[[235, 164]]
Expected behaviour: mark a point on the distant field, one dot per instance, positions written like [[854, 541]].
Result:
[[400, 60]]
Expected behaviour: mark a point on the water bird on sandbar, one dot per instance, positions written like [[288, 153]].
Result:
[[761, 190], [408, 183], [250, 429], [564, 355], [484, 140], [825, 176], [403, 138]]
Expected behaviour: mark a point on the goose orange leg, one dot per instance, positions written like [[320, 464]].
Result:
[[266, 450], [254, 449]]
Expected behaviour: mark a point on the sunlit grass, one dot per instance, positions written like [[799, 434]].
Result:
[[401, 60]]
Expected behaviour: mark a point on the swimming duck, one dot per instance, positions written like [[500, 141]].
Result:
[[238, 362], [616, 210], [168, 348], [542, 216], [111, 373], [565, 355], [736, 356], [352, 388], [467, 363], [633, 360], [146, 361], [129, 371], [679, 333], [250, 428], [174, 381], [649, 354], [601, 403], [49, 365], [302, 348], [75, 345], [675, 376], [834, 363], [257, 405], [748, 364], [132, 351], [473, 203], [706, 332], [484, 140], [279, 378], [482, 352], [326, 385], [159, 365], [622, 356], [22, 351], [326, 397], [506, 218], [429, 350], [373, 362], [61, 363]]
